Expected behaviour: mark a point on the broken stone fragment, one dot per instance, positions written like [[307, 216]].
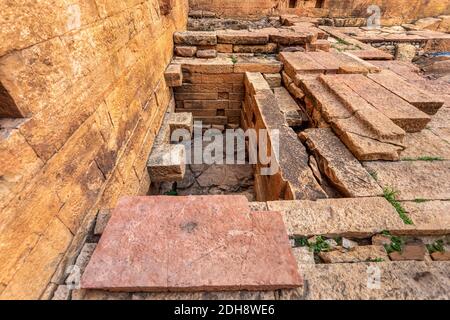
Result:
[[273, 79], [206, 54], [180, 120], [381, 240], [173, 75], [441, 256], [357, 254], [167, 163], [185, 51], [101, 221], [195, 38], [412, 250]]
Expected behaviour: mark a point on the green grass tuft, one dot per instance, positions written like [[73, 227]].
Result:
[[374, 175], [376, 260], [424, 158], [391, 196], [234, 59], [437, 246], [395, 245], [420, 200]]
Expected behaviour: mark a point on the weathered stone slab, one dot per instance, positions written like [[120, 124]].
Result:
[[299, 62], [339, 165], [417, 97], [185, 51], [398, 280], [241, 37], [257, 64], [167, 163], [195, 243], [290, 109], [356, 254], [355, 217], [221, 64], [173, 75], [180, 120], [206, 54], [430, 218], [195, 38], [403, 114], [414, 179], [425, 143], [350, 125]]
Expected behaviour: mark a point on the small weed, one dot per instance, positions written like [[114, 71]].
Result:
[[386, 233], [171, 193], [437, 246], [424, 158], [391, 196], [301, 242], [234, 59], [342, 41], [419, 200], [376, 260], [395, 245], [374, 175], [319, 246], [338, 240]]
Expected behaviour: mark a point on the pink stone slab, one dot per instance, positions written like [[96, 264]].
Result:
[[204, 243]]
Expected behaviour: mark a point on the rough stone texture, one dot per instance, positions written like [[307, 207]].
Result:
[[195, 38], [357, 217], [410, 251], [405, 52], [93, 91], [82, 260], [414, 179], [357, 254], [430, 218], [417, 97], [244, 250], [242, 37], [403, 114], [398, 280], [339, 165], [185, 51], [273, 79], [425, 143], [167, 163], [61, 293], [206, 54], [290, 109], [173, 75], [367, 133]]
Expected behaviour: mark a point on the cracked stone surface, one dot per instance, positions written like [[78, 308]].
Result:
[[196, 243]]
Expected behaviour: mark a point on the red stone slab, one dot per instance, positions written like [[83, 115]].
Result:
[[204, 243]]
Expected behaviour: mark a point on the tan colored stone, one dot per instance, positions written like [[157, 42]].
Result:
[[224, 48], [441, 256], [273, 79], [414, 179], [405, 52], [357, 254], [167, 163], [410, 251], [242, 37], [425, 143], [339, 165], [290, 109], [412, 94], [195, 38], [356, 217], [173, 75], [185, 51]]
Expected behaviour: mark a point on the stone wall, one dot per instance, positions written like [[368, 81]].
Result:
[[393, 11], [84, 83]]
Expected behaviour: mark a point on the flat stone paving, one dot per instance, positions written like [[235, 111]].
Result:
[[197, 243]]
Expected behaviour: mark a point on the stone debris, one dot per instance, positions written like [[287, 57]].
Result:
[[338, 164], [233, 261], [357, 254]]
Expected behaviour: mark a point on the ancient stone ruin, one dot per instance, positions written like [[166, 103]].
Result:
[[202, 150]]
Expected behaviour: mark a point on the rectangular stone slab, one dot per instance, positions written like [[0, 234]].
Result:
[[417, 97], [194, 243], [402, 113]]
